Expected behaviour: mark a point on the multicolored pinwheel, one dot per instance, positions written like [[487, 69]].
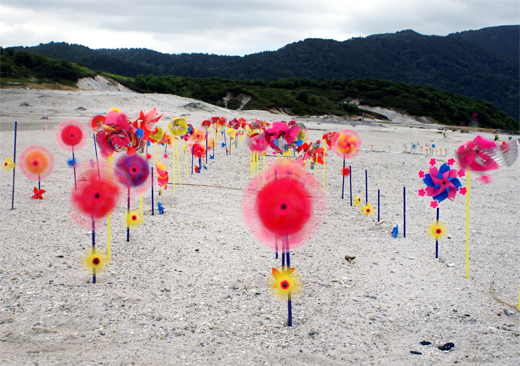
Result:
[[346, 144], [441, 183], [36, 163]]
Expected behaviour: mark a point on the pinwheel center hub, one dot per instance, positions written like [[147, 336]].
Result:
[[285, 285], [95, 261]]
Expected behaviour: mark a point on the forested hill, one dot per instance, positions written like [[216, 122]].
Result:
[[470, 63]]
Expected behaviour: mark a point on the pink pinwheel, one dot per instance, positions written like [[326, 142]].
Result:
[[258, 142], [475, 155], [442, 183]]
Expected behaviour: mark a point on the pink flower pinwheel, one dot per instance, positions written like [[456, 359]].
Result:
[[442, 183]]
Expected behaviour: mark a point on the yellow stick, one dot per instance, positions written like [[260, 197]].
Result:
[[518, 301], [141, 201], [108, 219], [173, 162], [315, 168], [178, 164], [186, 157], [324, 170], [263, 166], [467, 228], [250, 164]]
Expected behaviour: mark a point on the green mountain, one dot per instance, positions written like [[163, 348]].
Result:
[[504, 40], [480, 64], [299, 96]]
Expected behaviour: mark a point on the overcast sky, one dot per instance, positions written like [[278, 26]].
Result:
[[236, 27]]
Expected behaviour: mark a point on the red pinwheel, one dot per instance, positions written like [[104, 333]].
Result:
[[198, 151], [36, 162], [328, 136], [96, 123], [95, 197], [71, 135], [38, 193], [285, 207], [346, 144]]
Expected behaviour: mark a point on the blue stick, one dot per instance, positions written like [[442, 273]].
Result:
[[93, 250], [152, 191], [366, 186], [289, 305], [378, 205], [97, 161], [127, 217], [404, 212], [350, 175], [74, 166], [436, 241], [14, 162], [206, 147], [343, 184]]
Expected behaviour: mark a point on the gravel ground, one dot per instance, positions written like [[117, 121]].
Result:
[[191, 285]]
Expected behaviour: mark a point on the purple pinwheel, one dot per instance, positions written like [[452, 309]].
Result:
[[441, 183]]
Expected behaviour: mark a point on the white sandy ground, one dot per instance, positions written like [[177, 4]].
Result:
[[190, 287]]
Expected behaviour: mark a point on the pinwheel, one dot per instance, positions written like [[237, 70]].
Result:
[[71, 136], [144, 123], [346, 144], [198, 151], [357, 201], [162, 175], [285, 282], [118, 135], [8, 164], [132, 172], [38, 193], [36, 163], [95, 261], [133, 219], [96, 123], [482, 155], [284, 208], [441, 184], [367, 209], [178, 127], [95, 196]]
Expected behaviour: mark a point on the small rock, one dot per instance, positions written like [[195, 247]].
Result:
[[24, 104], [350, 259], [509, 312], [415, 353], [447, 347], [236, 286], [425, 343], [81, 109]]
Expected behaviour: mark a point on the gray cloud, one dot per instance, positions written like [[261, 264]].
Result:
[[236, 27]]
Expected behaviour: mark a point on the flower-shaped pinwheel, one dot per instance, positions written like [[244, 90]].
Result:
[[133, 173], [38, 193], [36, 162], [441, 183], [286, 206], [284, 282], [95, 197], [346, 144], [357, 201], [96, 261], [367, 209], [437, 230], [133, 218], [8, 164]]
